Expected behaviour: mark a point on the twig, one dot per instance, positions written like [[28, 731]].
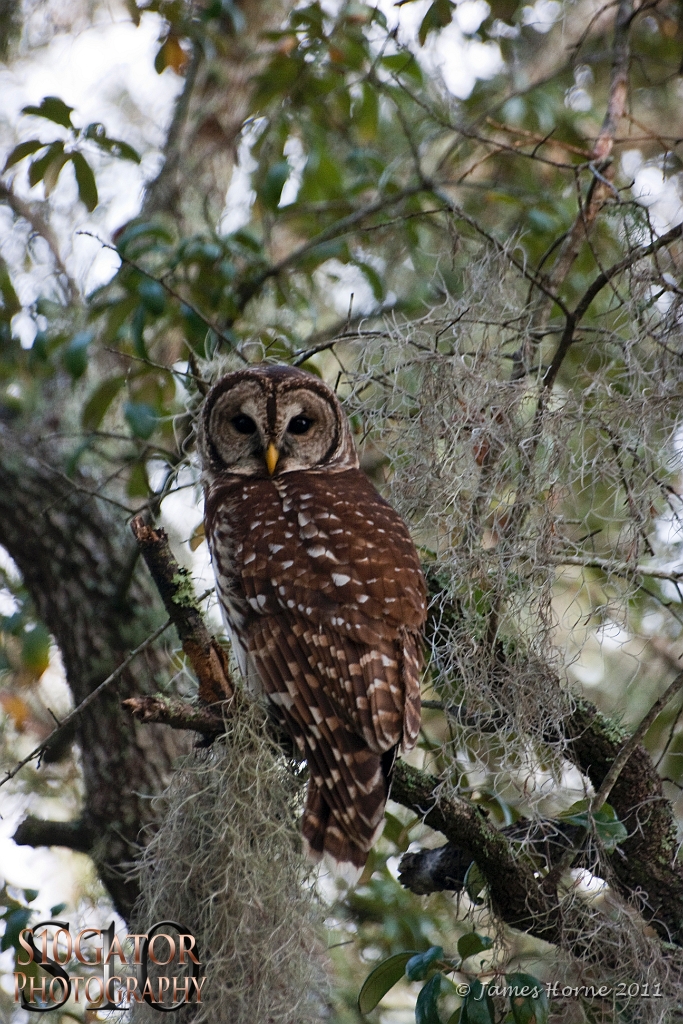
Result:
[[177, 713], [171, 291], [501, 248], [601, 186], [42, 228], [514, 890], [633, 741], [83, 490], [336, 230], [618, 86], [116, 674], [535, 137], [157, 366], [573, 319], [619, 568]]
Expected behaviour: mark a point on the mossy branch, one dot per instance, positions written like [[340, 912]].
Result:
[[174, 583], [517, 895]]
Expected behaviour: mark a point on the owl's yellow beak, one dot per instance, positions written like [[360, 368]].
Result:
[[272, 455]]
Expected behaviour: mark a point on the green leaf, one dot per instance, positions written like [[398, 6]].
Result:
[[137, 326], [426, 1009], [138, 484], [274, 183], [14, 923], [52, 172], [38, 167], [381, 979], [605, 821], [277, 79], [40, 348], [474, 884], [418, 965], [335, 248], [141, 418], [85, 179], [96, 132], [75, 355], [146, 228], [403, 63], [478, 1006], [528, 1001], [10, 299], [471, 943], [395, 830], [322, 179], [366, 113], [438, 16], [22, 150], [30, 895], [153, 295], [53, 109], [57, 910], [373, 279], [35, 649], [96, 407]]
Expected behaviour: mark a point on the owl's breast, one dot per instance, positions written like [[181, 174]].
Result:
[[324, 545]]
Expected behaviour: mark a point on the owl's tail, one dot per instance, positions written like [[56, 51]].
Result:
[[344, 832]]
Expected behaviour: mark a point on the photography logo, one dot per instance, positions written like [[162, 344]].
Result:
[[105, 974]]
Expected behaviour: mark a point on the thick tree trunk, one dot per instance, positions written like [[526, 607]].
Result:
[[203, 138], [79, 562]]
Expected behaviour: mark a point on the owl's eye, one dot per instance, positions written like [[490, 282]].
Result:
[[243, 424], [299, 425]]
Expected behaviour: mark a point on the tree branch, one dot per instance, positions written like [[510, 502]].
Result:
[[573, 319], [75, 835], [249, 288], [77, 711], [208, 659], [161, 192], [646, 867], [177, 713], [618, 568], [42, 228], [175, 295], [515, 893]]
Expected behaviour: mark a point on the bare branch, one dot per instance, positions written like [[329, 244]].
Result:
[[41, 227], [75, 835], [515, 892], [618, 86], [177, 713], [634, 741], [170, 291], [618, 568], [73, 715], [343, 226], [573, 319], [160, 193]]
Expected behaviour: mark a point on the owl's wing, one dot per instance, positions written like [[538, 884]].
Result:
[[328, 546], [329, 557], [348, 786], [324, 587]]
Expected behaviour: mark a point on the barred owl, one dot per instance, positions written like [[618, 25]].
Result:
[[321, 591]]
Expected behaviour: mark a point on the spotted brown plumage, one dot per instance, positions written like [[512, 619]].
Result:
[[321, 590]]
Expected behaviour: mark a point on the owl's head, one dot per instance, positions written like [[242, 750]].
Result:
[[271, 420]]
